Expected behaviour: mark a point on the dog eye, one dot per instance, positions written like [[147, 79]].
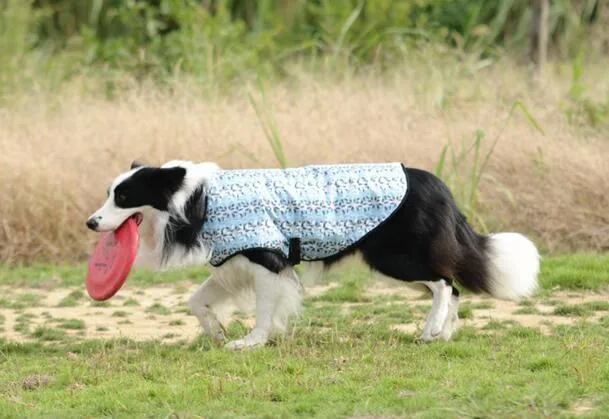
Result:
[[120, 198]]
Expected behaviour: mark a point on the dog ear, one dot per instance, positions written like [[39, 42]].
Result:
[[170, 179], [135, 164]]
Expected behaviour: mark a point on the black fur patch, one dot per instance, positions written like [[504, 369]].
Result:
[[427, 239], [186, 231], [149, 186], [270, 260]]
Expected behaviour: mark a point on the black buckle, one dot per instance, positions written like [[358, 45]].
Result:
[[294, 252]]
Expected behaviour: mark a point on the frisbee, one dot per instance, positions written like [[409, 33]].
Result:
[[111, 261]]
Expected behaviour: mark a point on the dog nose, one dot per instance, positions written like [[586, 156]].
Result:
[[92, 223]]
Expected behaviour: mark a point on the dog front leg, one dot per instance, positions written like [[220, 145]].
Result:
[[267, 295], [201, 303]]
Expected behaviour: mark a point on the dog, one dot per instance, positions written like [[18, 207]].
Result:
[[418, 236]]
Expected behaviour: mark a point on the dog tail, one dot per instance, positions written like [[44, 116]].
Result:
[[505, 265]]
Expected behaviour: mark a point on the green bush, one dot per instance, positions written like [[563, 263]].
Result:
[[227, 38]]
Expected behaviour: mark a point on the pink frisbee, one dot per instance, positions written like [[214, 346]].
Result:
[[111, 261]]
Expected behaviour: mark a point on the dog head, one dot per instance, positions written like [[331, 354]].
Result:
[[133, 191]]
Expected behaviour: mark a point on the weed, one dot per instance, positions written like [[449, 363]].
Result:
[[465, 311], [48, 334], [466, 188], [577, 310], [526, 310], [72, 324], [22, 323], [131, 302], [158, 308], [72, 299]]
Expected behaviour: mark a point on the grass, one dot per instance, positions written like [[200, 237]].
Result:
[[585, 272], [72, 299], [579, 271], [21, 301], [584, 309], [130, 302], [44, 275], [48, 334], [71, 324], [335, 362], [158, 308], [347, 371], [526, 310]]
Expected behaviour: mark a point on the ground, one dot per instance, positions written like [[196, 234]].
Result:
[[353, 353], [160, 312]]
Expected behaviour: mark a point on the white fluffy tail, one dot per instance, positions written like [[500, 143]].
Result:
[[513, 266]]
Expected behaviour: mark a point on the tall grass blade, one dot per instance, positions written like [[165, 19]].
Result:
[[345, 28], [268, 124]]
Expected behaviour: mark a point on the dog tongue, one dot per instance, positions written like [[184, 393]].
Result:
[[112, 259]]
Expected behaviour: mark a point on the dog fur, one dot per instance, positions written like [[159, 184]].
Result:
[[427, 241]]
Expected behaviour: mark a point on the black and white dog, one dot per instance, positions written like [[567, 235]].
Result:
[[426, 240]]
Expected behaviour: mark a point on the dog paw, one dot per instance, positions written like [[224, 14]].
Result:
[[428, 337], [219, 337], [253, 340], [450, 327]]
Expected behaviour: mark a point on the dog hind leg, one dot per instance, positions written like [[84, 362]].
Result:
[[452, 320], [440, 309]]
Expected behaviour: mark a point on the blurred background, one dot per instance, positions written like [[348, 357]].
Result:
[[507, 101]]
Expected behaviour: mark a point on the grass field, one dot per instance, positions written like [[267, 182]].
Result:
[[353, 353], [75, 112]]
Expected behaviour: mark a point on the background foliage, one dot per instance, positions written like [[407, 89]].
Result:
[[222, 39]]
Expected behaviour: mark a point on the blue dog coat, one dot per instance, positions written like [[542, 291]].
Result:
[[306, 213]]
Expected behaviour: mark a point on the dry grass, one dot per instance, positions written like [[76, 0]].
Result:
[[59, 152]]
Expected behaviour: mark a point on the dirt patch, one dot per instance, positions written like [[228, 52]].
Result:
[[161, 312], [582, 407]]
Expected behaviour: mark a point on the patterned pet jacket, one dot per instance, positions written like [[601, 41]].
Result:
[[308, 213]]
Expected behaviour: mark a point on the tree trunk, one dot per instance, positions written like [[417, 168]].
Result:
[[539, 38]]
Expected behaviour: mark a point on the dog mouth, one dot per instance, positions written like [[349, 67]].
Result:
[[138, 217]]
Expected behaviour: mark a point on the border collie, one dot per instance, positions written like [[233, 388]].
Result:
[[423, 239]]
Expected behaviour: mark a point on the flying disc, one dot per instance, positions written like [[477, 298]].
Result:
[[111, 261]]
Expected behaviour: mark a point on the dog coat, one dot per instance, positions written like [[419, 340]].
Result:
[[307, 213]]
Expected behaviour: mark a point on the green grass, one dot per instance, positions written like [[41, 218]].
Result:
[[72, 324], [583, 309], [526, 310], [130, 302], [22, 323], [41, 275], [158, 308], [576, 272], [573, 272], [334, 362], [346, 371], [72, 299], [21, 301], [48, 334]]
